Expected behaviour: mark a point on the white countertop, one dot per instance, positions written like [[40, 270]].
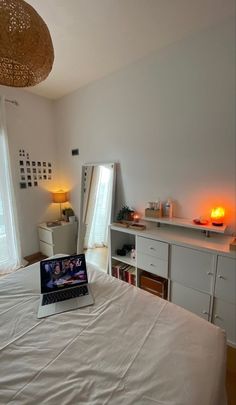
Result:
[[186, 237]]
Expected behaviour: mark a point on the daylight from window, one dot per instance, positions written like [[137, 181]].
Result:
[[3, 239], [9, 242]]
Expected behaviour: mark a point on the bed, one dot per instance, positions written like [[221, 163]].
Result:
[[130, 347]]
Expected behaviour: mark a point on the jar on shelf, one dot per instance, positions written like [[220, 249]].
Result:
[[168, 209]]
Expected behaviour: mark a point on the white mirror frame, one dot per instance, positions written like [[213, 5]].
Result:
[[81, 231]]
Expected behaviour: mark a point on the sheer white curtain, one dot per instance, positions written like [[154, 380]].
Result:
[[98, 217], [10, 255]]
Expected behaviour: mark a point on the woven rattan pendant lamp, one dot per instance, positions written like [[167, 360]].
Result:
[[26, 50]]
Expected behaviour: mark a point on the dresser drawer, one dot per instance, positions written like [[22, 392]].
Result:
[[46, 249], [155, 285], [192, 300], [192, 268], [226, 279], [152, 264], [152, 247], [45, 235]]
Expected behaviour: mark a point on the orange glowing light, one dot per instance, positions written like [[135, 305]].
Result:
[[136, 217], [217, 216]]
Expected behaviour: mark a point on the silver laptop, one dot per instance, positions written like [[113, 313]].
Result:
[[64, 285]]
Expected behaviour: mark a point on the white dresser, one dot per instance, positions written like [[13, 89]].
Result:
[[201, 271], [58, 239]]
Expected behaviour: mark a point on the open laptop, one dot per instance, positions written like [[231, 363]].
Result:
[[64, 285]]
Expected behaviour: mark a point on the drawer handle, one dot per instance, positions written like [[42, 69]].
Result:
[[217, 317], [204, 312], [221, 277], [151, 264], [152, 248], [210, 273]]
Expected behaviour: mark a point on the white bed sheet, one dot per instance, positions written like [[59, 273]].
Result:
[[128, 348]]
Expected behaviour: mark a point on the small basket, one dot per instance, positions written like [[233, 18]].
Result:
[[153, 213]]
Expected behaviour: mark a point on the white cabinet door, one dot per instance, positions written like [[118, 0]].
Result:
[[224, 315], [192, 268], [192, 300], [225, 287]]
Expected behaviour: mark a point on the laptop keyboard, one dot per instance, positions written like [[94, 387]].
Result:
[[59, 296]]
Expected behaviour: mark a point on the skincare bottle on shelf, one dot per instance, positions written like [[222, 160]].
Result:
[[169, 208]]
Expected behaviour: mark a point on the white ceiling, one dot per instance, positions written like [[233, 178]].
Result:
[[93, 38]]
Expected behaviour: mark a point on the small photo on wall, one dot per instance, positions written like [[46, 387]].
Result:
[[23, 185], [27, 163], [22, 178], [44, 171], [28, 170], [21, 162], [49, 171], [28, 177], [39, 164], [44, 164], [33, 164], [22, 170], [49, 177], [29, 184], [34, 170], [49, 164], [35, 176], [40, 177], [35, 184], [44, 177]]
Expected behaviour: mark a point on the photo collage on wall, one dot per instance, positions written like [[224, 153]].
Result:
[[32, 172]]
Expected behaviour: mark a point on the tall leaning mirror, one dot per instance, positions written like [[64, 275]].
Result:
[[96, 211]]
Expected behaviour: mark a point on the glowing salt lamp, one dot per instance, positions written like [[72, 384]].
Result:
[[217, 216]]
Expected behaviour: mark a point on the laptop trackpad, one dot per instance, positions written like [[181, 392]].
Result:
[[67, 305]]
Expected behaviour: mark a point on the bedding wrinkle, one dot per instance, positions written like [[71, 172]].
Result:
[[145, 337], [20, 336], [66, 347], [129, 348], [14, 306]]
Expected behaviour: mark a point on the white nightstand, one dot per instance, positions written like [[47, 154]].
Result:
[[58, 239]]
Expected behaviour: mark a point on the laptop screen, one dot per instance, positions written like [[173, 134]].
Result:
[[63, 272]]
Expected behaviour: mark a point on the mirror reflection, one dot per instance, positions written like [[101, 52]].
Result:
[[96, 212]]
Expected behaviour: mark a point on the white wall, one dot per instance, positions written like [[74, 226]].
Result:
[[31, 127], [169, 120]]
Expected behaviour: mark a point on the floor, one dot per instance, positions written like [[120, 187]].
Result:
[[98, 257], [231, 375]]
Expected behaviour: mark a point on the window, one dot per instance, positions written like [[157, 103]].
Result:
[[9, 240]]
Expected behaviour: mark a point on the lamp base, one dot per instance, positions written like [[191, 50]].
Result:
[[217, 223]]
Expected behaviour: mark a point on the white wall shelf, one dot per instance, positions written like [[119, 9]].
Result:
[[187, 223]]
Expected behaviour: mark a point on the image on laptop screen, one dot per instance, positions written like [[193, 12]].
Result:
[[63, 272]]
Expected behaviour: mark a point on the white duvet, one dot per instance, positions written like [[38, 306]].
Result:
[[129, 348]]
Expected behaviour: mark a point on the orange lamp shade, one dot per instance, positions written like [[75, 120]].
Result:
[[217, 216], [59, 197]]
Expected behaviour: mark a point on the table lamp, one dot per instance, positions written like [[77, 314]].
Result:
[[60, 197]]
